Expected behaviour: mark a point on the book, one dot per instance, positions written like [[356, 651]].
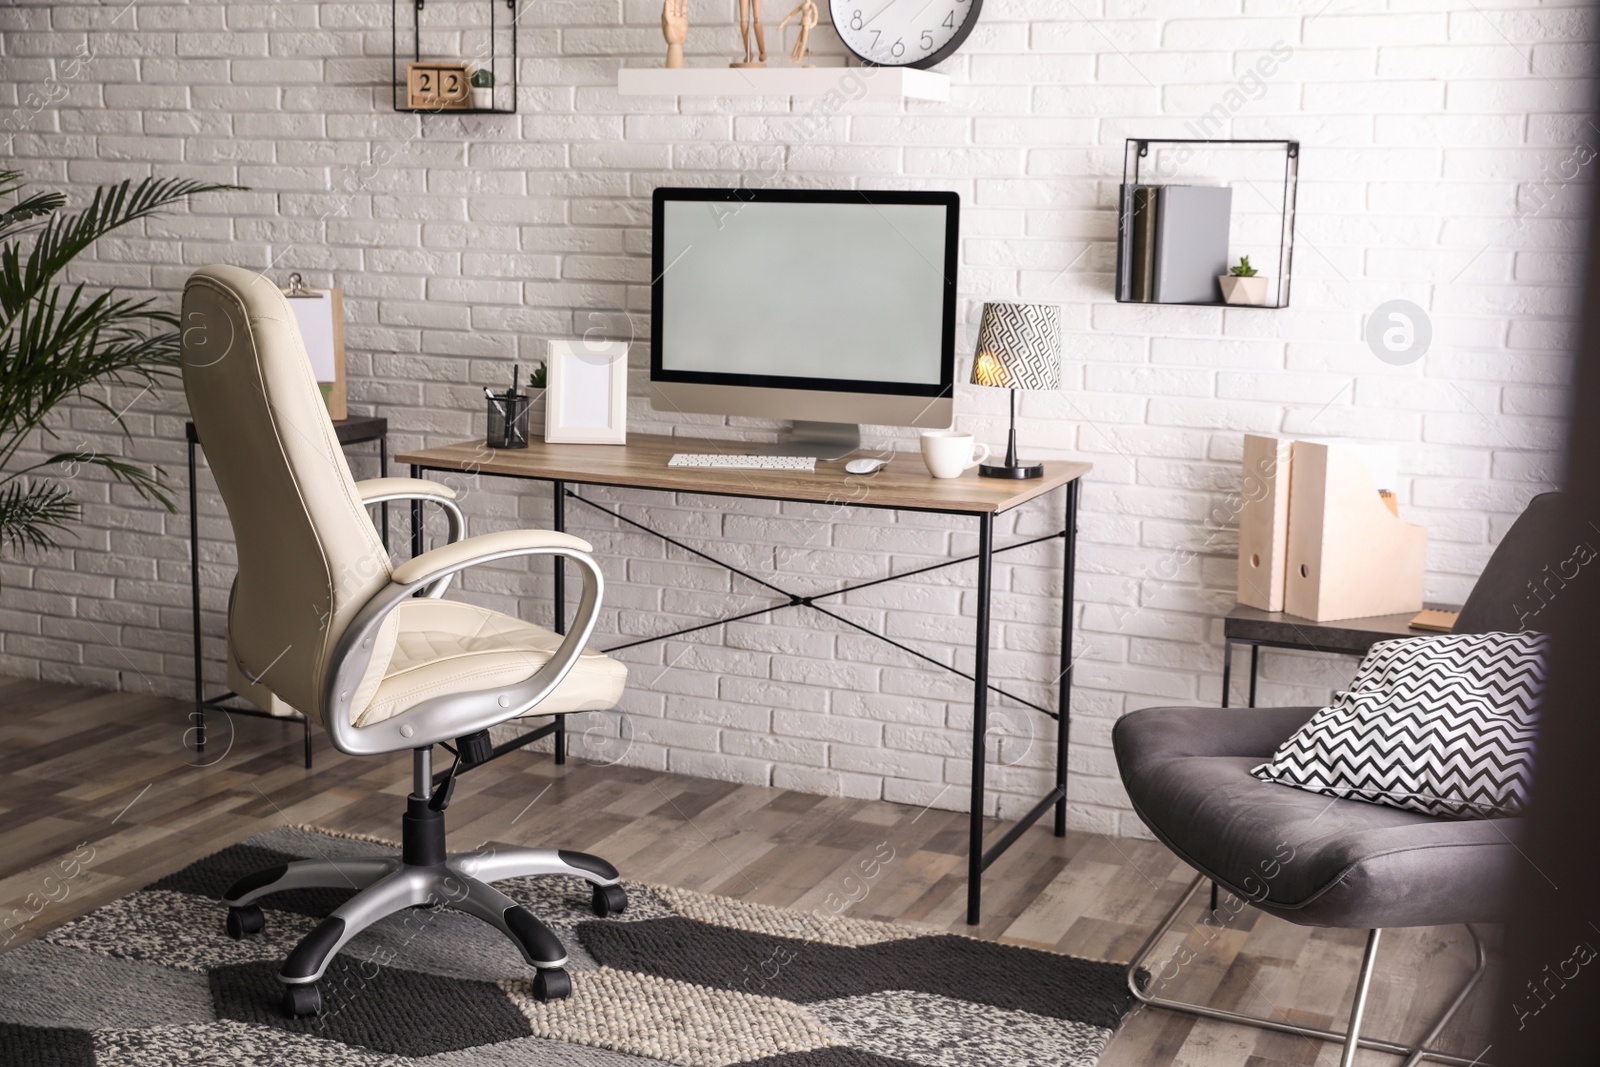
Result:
[[1191, 244], [1146, 207], [1125, 242]]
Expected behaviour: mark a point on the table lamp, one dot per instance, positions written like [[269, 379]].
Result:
[[1019, 347]]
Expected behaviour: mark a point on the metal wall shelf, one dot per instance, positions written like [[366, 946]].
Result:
[[503, 68], [1138, 150]]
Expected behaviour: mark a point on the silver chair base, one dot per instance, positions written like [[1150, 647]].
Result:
[[387, 885], [1139, 979]]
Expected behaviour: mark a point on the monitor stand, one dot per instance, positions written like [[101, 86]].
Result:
[[824, 440]]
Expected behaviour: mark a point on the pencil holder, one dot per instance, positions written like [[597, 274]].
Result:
[[508, 421]]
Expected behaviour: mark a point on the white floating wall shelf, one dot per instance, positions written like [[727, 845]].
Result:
[[882, 83]]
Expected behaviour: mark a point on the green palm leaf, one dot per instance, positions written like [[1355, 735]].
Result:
[[32, 515], [59, 342]]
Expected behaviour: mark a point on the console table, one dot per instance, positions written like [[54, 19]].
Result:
[[903, 485], [354, 430], [1278, 629]]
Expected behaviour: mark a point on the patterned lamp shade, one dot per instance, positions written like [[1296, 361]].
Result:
[[1019, 347]]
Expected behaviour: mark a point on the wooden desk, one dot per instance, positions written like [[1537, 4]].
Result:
[[903, 485]]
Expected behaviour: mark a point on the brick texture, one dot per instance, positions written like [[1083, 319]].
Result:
[[1446, 162]]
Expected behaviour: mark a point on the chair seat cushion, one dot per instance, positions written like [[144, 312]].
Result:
[[443, 646], [1440, 725], [1308, 858]]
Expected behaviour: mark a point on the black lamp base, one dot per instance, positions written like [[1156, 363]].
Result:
[[1013, 467], [1021, 470]]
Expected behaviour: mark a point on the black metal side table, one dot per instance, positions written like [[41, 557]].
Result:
[[1276, 629], [354, 430]]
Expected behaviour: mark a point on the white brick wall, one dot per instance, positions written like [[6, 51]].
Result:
[[1446, 151]]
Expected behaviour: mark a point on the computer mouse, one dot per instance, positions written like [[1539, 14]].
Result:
[[864, 466]]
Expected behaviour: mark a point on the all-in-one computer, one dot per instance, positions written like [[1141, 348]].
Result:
[[829, 308]]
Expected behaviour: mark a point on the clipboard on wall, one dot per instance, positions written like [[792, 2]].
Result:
[[320, 315]]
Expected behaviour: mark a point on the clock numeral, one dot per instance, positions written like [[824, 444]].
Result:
[[927, 40], [897, 49], [949, 22], [855, 20], [876, 34]]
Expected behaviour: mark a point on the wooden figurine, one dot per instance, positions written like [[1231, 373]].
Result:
[[808, 22], [675, 28], [751, 60]]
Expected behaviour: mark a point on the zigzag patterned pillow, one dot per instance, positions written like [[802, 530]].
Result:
[[1441, 725]]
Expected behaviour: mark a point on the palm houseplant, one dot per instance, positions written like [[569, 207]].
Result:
[[61, 342]]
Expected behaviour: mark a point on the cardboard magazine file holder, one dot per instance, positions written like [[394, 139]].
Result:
[[1349, 557], [1264, 522]]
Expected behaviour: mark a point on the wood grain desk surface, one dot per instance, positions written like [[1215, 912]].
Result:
[[642, 464]]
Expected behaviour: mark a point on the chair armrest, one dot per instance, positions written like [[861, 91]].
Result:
[[453, 715], [485, 548], [377, 490], [381, 490]]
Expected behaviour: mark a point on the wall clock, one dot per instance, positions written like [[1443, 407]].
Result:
[[904, 33]]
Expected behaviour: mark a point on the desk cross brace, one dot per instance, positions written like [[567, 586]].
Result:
[[794, 600]]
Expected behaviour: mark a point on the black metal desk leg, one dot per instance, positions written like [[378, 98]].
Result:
[[416, 518], [1227, 668], [308, 744], [1255, 658], [194, 607], [1069, 566], [558, 521], [383, 508], [980, 720]]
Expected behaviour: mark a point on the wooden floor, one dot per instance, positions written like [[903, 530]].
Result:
[[115, 773]]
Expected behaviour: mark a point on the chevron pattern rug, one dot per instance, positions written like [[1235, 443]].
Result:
[[680, 977], [1440, 725]]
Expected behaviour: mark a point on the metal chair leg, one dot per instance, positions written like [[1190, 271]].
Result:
[[1358, 1007], [1140, 981]]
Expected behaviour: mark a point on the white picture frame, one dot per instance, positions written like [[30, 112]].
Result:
[[587, 398]]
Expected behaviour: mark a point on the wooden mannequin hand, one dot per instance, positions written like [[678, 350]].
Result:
[[675, 21]]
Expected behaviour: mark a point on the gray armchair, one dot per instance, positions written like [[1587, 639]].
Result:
[[1317, 860]]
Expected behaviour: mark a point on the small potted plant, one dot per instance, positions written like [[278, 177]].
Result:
[[483, 88], [1242, 285]]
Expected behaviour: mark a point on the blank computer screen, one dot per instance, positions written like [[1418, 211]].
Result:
[[847, 291]]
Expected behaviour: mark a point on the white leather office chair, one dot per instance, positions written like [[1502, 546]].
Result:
[[321, 621]]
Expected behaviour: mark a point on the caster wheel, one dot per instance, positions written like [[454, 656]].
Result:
[[551, 985], [245, 921], [610, 900], [299, 1000], [1141, 978]]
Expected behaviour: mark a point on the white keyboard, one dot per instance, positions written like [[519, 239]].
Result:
[[743, 463]]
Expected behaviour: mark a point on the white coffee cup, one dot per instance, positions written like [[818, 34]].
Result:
[[950, 453]]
